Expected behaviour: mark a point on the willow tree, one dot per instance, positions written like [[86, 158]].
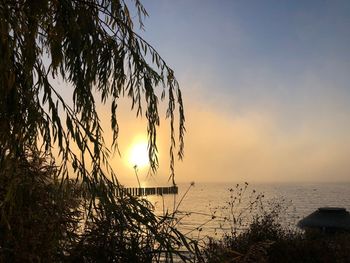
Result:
[[92, 46]]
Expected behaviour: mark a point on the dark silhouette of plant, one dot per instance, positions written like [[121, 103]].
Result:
[[266, 238], [249, 222], [90, 46], [113, 237], [39, 216]]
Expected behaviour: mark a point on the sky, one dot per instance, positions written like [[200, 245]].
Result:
[[266, 87]]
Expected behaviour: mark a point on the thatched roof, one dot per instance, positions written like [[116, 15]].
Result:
[[327, 217]]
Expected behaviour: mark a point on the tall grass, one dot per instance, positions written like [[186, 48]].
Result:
[[48, 226], [267, 238], [46, 219]]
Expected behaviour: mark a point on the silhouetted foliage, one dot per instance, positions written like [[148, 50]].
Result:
[[90, 45], [39, 216], [266, 239], [92, 48]]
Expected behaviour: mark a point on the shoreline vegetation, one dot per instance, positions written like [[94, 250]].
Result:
[[56, 228]]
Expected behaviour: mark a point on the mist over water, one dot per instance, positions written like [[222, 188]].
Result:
[[205, 200]]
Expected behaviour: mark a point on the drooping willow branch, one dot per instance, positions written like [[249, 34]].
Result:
[[92, 46]]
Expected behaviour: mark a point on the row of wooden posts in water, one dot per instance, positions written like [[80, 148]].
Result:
[[142, 191]]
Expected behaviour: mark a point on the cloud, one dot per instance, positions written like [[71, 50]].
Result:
[[286, 135], [252, 147]]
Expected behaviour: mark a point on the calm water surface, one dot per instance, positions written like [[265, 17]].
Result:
[[205, 200]]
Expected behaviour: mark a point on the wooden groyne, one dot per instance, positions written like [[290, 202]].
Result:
[[142, 191]]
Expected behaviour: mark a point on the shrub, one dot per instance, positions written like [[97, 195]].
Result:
[[268, 240], [114, 236], [38, 220], [44, 219]]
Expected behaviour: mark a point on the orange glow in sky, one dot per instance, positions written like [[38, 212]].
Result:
[[265, 89]]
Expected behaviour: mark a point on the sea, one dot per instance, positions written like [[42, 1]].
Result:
[[205, 210]]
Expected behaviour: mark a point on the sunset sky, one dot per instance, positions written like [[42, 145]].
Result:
[[266, 86]]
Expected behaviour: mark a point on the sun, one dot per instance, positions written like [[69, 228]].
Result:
[[138, 154]]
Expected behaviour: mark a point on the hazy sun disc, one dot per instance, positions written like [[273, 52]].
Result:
[[139, 155]]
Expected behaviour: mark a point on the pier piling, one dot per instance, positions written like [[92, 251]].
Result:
[[143, 191]]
